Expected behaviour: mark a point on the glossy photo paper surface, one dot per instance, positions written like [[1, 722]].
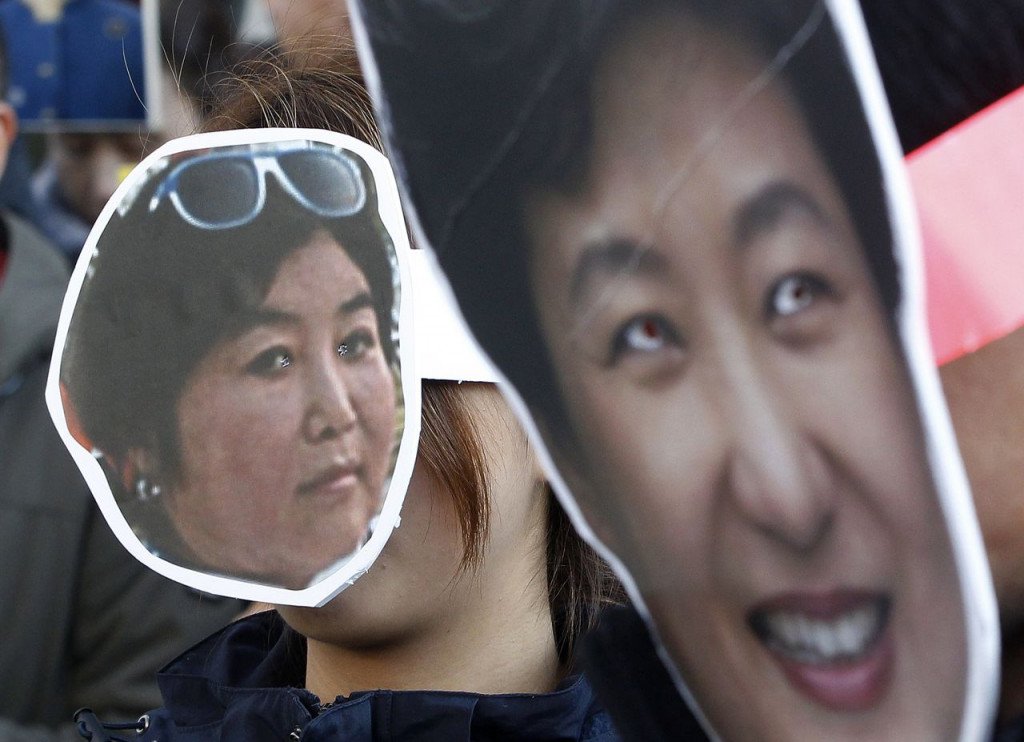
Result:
[[234, 368], [682, 232]]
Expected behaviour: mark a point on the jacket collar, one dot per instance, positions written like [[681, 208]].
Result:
[[249, 677]]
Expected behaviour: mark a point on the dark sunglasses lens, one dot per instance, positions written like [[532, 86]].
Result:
[[219, 192], [329, 184]]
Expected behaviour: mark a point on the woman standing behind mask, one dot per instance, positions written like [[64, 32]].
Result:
[[483, 590]]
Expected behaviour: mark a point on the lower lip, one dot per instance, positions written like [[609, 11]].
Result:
[[341, 486], [857, 685]]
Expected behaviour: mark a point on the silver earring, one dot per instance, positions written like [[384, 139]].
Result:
[[146, 490]]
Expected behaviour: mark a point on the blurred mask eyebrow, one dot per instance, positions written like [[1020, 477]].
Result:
[[609, 258], [761, 213]]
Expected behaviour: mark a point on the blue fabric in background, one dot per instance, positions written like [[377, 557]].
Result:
[[84, 67]]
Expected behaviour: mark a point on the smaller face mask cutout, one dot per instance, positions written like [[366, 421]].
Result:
[[231, 372], [692, 222]]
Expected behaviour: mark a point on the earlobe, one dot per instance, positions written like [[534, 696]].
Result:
[[141, 459], [141, 474]]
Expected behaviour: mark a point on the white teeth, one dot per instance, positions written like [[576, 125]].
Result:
[[818, 641]]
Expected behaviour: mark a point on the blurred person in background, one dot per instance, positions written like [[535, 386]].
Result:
[[82, 169], [82, 624], [53, 87], [74, 182]]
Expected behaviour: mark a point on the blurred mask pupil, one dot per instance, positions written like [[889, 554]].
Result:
[[219, 191], [325, 182]]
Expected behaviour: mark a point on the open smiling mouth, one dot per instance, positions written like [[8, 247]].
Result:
[[835, 648]]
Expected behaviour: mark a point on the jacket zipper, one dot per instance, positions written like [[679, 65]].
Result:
[[296, 733]]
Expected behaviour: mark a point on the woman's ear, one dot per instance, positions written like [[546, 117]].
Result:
[[537, 473]]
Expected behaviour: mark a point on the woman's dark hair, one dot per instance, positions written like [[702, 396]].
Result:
[[323, 88], [198, 41], [477, 222], [161, 293], [579, 582]]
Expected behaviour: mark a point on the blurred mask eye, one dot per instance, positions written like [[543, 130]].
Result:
[[647, 347], [795, 293], [644, 335]]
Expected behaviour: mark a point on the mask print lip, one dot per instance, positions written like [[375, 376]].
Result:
[[338, 478], [835, 647]]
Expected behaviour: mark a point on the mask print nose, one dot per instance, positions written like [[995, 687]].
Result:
[[777, 473], [330, 411]]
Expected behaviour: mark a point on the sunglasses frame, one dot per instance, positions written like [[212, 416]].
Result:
[[263, 162]]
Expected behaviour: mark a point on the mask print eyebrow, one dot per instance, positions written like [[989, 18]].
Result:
[[614, 259], [707, 143], [362, 300], [762, 213], [264, 317]]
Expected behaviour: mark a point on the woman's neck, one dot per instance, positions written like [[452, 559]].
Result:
[[499, 641]]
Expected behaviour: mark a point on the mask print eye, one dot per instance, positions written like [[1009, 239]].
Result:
[[643, 336], [356, 345], [795, 293], [270, 362]]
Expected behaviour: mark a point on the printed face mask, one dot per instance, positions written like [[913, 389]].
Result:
[[693, 219], [235, 369]]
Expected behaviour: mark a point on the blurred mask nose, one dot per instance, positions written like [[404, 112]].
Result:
[[777, 473]]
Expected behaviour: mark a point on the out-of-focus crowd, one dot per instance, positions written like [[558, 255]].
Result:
[[83, 623], [85, 95]]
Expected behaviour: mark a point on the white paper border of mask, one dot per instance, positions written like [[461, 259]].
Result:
[[345, 573], [980, 609], [445, 349], [981, 618]]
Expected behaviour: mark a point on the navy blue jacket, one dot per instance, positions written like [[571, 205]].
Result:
[[245, 683], [621, 661]]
